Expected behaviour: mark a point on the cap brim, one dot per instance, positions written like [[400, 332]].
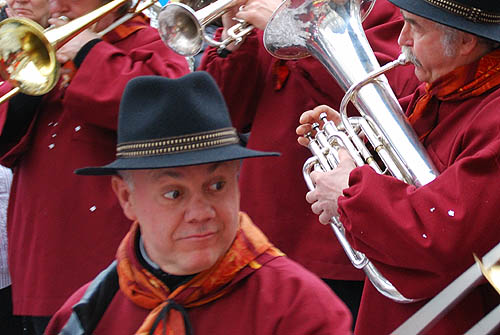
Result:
[[214, 155], [426, 10]]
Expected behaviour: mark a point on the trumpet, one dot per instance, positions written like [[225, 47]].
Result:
[[183, 29], [332, 32], [28, 52]]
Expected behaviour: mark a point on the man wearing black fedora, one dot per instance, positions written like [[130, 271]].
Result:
[[422, 238], [192, 263]]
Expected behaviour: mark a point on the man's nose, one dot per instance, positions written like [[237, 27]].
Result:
[[404, 38], [199, 209]]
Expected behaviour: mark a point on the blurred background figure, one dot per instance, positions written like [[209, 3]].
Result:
[[38, 11], [10, 324]]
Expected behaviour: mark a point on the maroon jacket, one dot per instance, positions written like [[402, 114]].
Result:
[[273, 193], [422, 239], [280, 298], [62, 228]]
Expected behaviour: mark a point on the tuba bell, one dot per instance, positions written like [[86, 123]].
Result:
[[331, 31]]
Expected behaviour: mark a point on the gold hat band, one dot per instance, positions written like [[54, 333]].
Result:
[[470, 13], [178, 144]]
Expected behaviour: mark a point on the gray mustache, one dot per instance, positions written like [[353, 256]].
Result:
[[410, 56]]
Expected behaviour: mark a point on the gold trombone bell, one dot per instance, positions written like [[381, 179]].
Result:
[[28, 60], [28, 52]]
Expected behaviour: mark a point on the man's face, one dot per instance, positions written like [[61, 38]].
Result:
[[188, 215], [36, 10], [72, 9], [425, 41]]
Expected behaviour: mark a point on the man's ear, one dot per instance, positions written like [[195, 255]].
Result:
[[124, 195], [468, 43]]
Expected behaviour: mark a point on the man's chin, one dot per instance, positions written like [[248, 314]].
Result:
[[420, 75]]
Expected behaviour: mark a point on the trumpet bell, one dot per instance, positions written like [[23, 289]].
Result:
[[27, 59], [180, 29]]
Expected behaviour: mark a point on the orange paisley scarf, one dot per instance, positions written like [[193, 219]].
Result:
[[249, 251], [464, 82]]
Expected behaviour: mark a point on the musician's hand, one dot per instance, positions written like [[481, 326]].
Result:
[[312, 116], [8, 11], [329, 186], [258, 12], [254, 12], [68, 51]]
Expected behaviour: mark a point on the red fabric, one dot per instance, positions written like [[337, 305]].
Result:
[[273, 190], [279, 298], [63, 229], [140, 286], [422, 239], [5, 88], [127, 28]]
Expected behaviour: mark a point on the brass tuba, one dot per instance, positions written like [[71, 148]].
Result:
[[28, 52], [331, 31]]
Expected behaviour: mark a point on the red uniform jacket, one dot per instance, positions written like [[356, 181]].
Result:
[[421, 239], [273, 193], [62, 228], [280, 298]]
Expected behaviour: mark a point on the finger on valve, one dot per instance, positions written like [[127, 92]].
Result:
[[301, 131], [312, 116]]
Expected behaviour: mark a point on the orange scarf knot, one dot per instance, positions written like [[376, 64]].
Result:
[[248, 252]]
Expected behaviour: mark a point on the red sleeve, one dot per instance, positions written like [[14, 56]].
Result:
[[4, 89], [422, 238], [103, 74], [240, 76]]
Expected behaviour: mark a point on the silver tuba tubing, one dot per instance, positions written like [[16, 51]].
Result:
[[331, 31]]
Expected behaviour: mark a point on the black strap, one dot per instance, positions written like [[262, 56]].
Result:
[[171, 304], [89, 310]]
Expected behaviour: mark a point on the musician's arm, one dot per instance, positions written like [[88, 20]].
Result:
[[239, 75], [428, 234]]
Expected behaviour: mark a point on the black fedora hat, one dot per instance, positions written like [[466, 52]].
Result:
[[478, 17], [173, 122]]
